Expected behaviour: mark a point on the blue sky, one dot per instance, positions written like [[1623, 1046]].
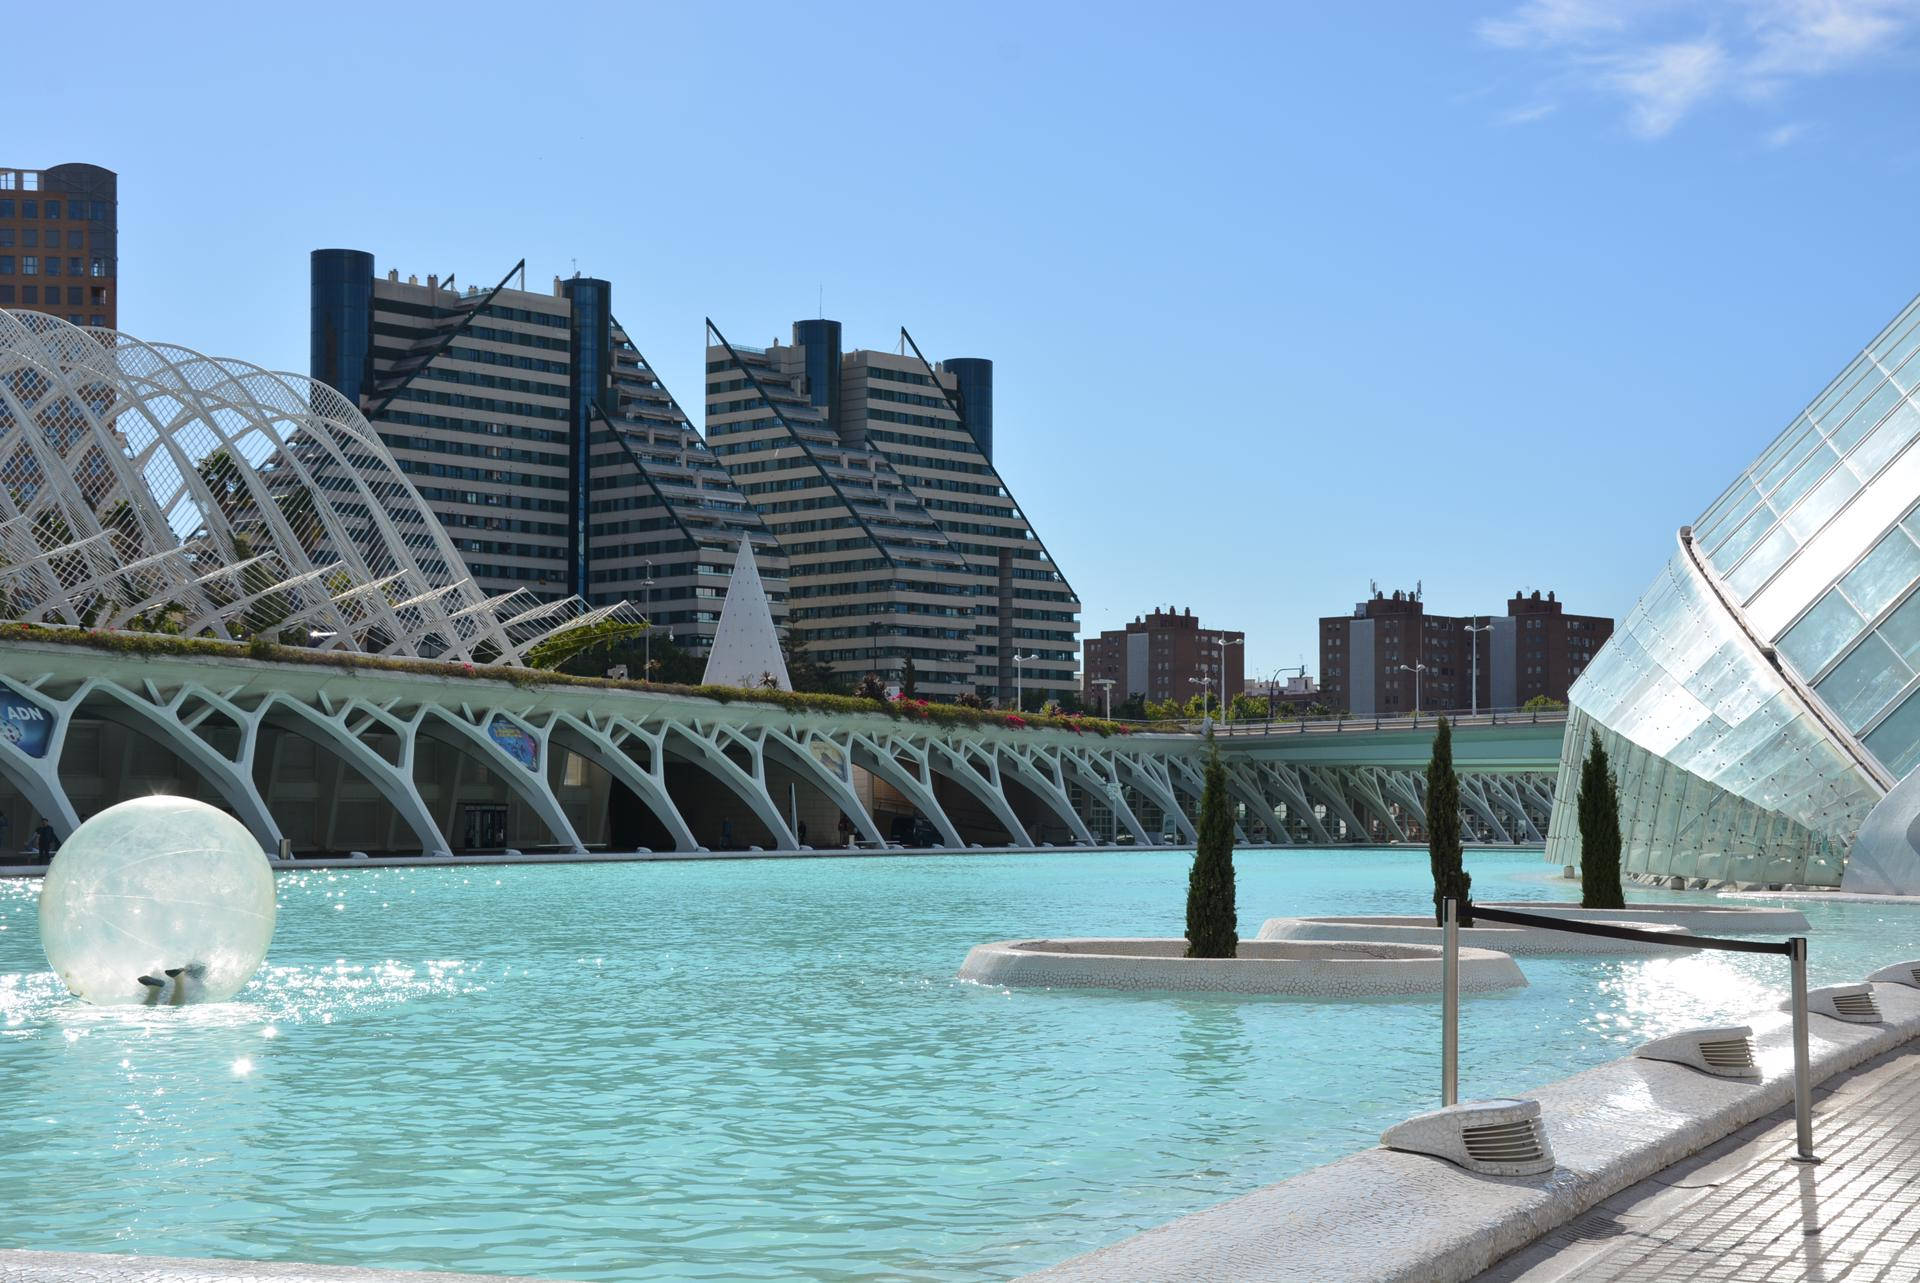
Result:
[[1282, 298]]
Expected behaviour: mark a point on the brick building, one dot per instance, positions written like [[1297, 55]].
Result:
[[58, 244], [1160, 656], [1371, 660]]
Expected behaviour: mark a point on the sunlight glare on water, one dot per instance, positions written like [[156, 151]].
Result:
[[764, 1069]]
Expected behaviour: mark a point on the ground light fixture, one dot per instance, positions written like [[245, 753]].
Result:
[[1725, 1051]]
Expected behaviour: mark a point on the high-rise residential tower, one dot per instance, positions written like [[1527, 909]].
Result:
[[556, 458], [875, 472], [59, 249]]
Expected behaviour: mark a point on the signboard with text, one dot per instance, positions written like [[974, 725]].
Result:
[[514, 739], [24, 724]]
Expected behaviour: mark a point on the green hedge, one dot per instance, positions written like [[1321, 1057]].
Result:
[[796, 701]]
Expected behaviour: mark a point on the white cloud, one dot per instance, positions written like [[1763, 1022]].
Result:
[[1785, 135], [1551, 22], [1527, 115], [1664, 59], [1664, 83]]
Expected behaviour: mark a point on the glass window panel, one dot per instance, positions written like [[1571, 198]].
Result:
[[1896, 741], [1847, 391], [1725, 513], [1803, 478], [1901, 630], [1861, 684], [1887, 440], [1902, 340], [1760, 564], [1816, 508], [1803, 445], [1822, 633], [1883, 574], [1742, 538], [1867, 417]]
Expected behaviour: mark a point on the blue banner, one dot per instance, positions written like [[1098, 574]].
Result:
[[519, 745], [24, 724]]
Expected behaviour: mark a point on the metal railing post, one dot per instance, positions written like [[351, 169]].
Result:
[[1802, 1058], [1450, 1003]]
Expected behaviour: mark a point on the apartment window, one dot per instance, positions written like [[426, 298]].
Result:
[[29, 265], [97, 321], [73, 267], [73, 240], [53, 266], [75, 318], [73, 298], [29, 209], [6, 206], [6, 265], [97, 267], [99, 211], [98, 296], [6, 238], [29, 293], [6, 293], [53, 209], [30, 238]]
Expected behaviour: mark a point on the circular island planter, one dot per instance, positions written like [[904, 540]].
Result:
[[1420, 929], [1310, 969], [1701, 919]]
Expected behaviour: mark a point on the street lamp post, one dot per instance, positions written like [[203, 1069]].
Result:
[[1106, 690], [647, 584], [1019, 685], [1206, 696], [1416, 670], [1221, 640], [1474, 641]]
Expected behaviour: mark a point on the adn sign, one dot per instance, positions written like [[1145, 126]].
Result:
[[24, 724], [512, 737]]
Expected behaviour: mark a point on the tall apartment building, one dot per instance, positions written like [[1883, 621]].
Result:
[[542, 439], [1164, 655], [1368, 660], [875, 472], [59, 249]]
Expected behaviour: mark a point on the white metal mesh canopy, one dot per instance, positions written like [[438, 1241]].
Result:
[[148, 486]]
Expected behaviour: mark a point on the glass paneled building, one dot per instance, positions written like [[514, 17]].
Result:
[[1764, 694]]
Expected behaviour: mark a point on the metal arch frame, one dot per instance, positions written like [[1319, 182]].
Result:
[[363, 558]]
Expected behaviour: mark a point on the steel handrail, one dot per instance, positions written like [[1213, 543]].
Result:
[[1794, 948]]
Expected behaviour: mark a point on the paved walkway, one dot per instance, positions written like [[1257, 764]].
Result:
[[1742, 1211]]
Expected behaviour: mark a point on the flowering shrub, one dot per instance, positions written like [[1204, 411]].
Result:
[[129, 643]]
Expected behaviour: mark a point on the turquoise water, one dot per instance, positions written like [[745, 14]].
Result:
[[765, 1069]]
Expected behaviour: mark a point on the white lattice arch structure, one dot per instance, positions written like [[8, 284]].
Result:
[[142, 482]]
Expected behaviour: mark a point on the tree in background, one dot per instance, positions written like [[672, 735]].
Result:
[[806, 673], [1212, 921], [1249, 708], [871, 687], [909, 681], [1599, 832], [1450, 877], [1543, 704]]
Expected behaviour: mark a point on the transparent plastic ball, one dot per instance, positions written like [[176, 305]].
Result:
[[155, 886]]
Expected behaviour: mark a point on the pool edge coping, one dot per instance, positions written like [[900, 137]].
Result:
[[1382, 1216]]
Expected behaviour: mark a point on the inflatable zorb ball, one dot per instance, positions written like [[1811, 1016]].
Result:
[[155, 885]]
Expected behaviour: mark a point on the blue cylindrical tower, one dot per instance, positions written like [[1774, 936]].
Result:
[[973, 379], [590, 387], [342, 337], [822, 341]]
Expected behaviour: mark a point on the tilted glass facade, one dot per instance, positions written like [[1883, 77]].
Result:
[[1762, 696]]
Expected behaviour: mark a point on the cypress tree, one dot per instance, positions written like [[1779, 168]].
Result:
[[1450, 877], [1599, 832], [1212, 924]]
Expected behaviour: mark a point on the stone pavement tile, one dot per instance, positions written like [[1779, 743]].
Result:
[[1742, 1212]]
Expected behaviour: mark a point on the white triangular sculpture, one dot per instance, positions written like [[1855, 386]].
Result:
[[745, 646]]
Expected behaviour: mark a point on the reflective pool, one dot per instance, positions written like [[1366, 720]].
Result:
[[762, 1069]]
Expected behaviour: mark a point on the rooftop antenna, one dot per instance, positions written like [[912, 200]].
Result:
[[1419, 589], [523, 276]]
